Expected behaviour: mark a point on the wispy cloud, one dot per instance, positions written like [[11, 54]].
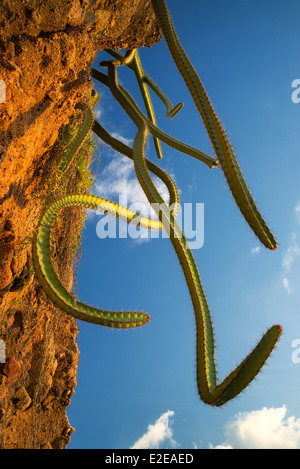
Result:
[[286, 285], [291, 254], [297, 212], [267, 428], [118, 178], [265, 104], [158, 433], [118, 182], [255, 250], [268, 105], [118, 136]]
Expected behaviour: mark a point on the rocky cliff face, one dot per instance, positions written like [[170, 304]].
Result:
[[46, 51]]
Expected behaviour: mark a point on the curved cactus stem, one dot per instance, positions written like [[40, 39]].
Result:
[[142, 77], [48, 278], [209, 390], [127, 151], [82, 134], [44, 269], [248, 369], [167, 139], [136, 66], [78, 141], [217, 134]]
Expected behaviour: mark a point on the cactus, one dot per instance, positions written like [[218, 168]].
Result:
[[155, 131], [143, 80], [210, 390], [48, 279], [217, 134]]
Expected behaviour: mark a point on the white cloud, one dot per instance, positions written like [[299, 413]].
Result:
[[286, 285], [127, 141], [118, 182], [268, 105], [220, 447], [158, 433], [291, 253], [297, 212], [118, 178], [255, 250], [268, 428]]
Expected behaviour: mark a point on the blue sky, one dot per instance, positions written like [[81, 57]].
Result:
[[137, 388]]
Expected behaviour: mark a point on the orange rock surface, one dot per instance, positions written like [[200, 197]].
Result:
[[46, 52]]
